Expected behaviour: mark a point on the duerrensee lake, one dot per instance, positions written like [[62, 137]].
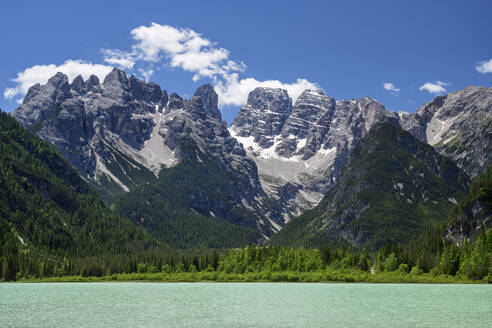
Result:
[[142, 304]]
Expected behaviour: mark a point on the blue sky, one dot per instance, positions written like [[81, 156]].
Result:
[[348, 48]]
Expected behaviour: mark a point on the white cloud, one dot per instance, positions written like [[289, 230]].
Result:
[[179, 47], [118, 58], [390, 87], [437, 87], [146, 73], [163, 45], [484, 66], [41, 74], [235, 92], [188, 50]]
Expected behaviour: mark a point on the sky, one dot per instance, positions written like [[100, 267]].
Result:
[[402, 53]]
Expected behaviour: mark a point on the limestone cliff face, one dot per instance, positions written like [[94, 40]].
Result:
[[458, 125]]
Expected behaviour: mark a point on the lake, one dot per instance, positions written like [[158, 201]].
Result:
[[144, 304]]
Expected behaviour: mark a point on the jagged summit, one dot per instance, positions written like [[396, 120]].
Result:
[[209, 101]]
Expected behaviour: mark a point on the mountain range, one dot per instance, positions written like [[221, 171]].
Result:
[[192, 180]]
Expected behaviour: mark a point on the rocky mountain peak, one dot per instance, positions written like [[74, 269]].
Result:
[[78, 84], [58, 80], [209, 101], [41, 100], [141, 90], [175, 101], [116, 79], [457, 125], [32, 92], [208, 96], [308, 94], [263, 116], [273, 99], [91, 82], [60, 83]]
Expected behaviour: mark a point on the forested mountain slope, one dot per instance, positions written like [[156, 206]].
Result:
[[45, 207], [190, 206], [392, 188], [474, 213]]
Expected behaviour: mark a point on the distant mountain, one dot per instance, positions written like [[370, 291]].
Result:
[[392, 187], [458, 125], [473, 214], [45, 207]]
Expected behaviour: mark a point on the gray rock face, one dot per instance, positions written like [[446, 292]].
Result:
[[39, 98], [148, 92], [264, 115], [470, 221], [100, 128], [458, 125], [309, 120], [119, 134]]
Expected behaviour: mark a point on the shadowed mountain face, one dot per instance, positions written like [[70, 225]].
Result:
[[458, 125], [45, 207], [392, 187], [472, 215]]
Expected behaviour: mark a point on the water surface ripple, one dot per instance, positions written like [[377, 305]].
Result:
[[243, 305]]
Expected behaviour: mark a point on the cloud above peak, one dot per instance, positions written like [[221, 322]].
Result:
[[484, 66], [390, 87], [176, 47], [162, 46], [436, 87], [235, 91], [41, 74]]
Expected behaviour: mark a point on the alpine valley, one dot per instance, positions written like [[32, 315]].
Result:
[[308, 172]]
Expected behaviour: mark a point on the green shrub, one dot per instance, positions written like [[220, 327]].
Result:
[[166, 268], [416, 270], [391, 263], [141, 268], [403, 268]]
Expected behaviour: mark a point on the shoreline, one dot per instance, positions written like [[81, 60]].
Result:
[[295, 277]]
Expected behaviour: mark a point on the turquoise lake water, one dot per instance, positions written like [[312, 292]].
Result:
[[243, 305]]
